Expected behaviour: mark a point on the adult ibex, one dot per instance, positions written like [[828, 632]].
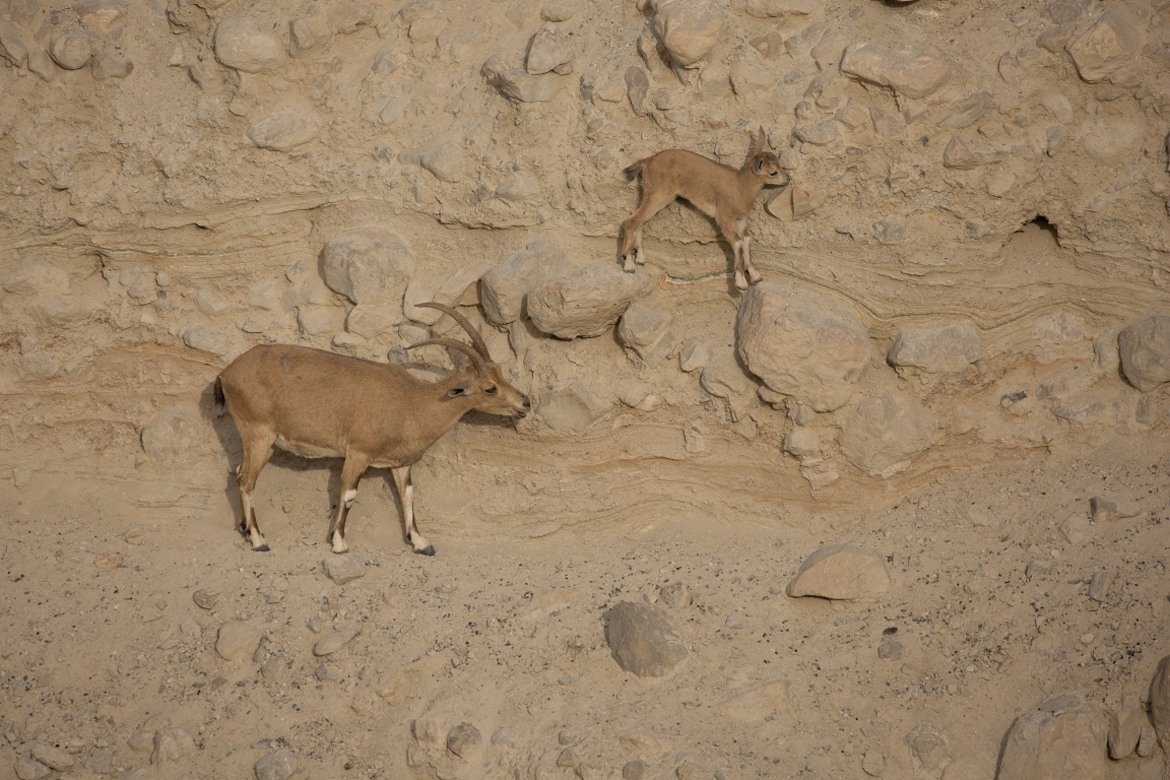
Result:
[[318, 404]]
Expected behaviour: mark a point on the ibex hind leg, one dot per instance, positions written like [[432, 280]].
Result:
[[257, 451], [753, 276], [728, 228], [653, 201]]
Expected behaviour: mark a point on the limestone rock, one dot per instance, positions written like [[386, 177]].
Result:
[[887, 429], [930, 747], [241, 43], [502, 290], [445, 161], [344, 568], [642, 640], [840, 571], [517, 84], [518, 189], [312, 31], [585, 302], [547, 51], [688, 29], [370, 321], [1125, 727], [207, 339], [1061, 738], [961, 157], [12, 45], [570, 408], [936, 347], [1144, 348], [905, 71], [237, 640], [637, 89], [334, 641], [1160, 702], [1106, 45], [110, 64], [285, 128], [463, 738], [367, 267], [969, 110], [280, 765], [172, 745], [802, 343], [71, 50], [28, 768], [52, 756], [643, 326]]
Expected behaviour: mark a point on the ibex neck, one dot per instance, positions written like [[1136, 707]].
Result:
[[749, 185]]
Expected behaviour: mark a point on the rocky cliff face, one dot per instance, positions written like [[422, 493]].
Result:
[[978, 207]]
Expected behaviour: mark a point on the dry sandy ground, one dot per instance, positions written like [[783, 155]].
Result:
[[104, 640]]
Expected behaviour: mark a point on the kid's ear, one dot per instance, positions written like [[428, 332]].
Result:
[[463, 388]]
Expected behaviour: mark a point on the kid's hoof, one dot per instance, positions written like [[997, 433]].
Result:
[[262, 548], [428, 550]]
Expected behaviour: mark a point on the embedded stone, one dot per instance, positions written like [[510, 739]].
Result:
[[886, 430], [913, 74], [1144, 349], [688, 29], [241, 43], [936, 347], [642, 640]]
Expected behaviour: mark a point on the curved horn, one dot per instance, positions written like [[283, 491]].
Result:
[[476, 358], [476, 339]]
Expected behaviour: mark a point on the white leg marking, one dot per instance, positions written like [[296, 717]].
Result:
[[339, 545], [349, 497]]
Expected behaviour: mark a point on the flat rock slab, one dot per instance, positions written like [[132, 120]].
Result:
[[841, 571], [642, 639], [335, 640], [344, 568], [237, 640]]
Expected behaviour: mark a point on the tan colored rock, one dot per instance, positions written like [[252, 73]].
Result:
[[936, 347], [237, 640], [1061, 738], [71, 50], [586, 302], [571, 407], [643, 326], [688, 29], [642, 640], [1160, 702], [503, 289], [1106, 45], [1125, 727], [1144, 349], [285, 128], [840, 571], [12, 45], [336, 640], [367, 267], [887, 430], [547, 51], [906, 71], [242, 43], [280, 765], [802, 343]]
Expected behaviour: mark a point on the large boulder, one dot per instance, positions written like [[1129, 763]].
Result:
[[587, 301], [905, 71], [936, 347], [1061, 738], [886, 430], [802, 344], [642, 640], [366, 267], [1144, 349], [502, 290], [688, 29]]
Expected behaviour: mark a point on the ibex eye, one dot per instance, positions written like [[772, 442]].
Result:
[[490, 390]]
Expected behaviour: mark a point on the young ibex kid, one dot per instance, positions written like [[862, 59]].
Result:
[[717, 190], [318, 404]]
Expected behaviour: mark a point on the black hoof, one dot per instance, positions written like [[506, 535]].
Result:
[[262, 548], [428, 550]]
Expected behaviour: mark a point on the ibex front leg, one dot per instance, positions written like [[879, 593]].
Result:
[[406, 496]]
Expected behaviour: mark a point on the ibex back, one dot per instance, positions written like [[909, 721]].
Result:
[[719, 191]]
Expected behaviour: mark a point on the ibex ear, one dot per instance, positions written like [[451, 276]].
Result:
[[463, 388]]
